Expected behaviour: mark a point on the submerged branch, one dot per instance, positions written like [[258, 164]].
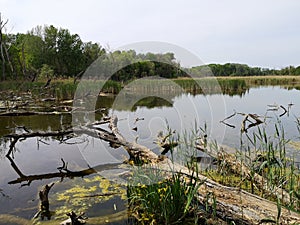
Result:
[[284, 111], [244, 125], [63, 173], [240, 168], [231, 203]]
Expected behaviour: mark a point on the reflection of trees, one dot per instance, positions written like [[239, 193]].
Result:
[[17, 123], [152, 102]]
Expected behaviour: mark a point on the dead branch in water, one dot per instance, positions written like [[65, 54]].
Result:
[[276, 107], [227, 118], [231, 203], [246, 123], [284, 111], [75, 219], [44, 203], [245, 127], [64, 172]]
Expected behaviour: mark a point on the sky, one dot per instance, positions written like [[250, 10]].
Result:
[[263, 33]]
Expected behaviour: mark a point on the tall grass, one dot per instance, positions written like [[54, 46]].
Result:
[[168, 201], [59, 89], [265, 154], [65, 88]]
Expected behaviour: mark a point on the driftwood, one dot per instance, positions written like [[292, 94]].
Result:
[[245, 127], [232, 204], [240, 168], [246, 123], [16, 137], [99, 220], [276, 107], [165, 143], [44, 203], [56, 110], [64, 172], [74, 219], [255, 118], [227, 118]]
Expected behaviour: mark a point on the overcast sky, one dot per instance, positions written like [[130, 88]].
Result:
[[256, 32]]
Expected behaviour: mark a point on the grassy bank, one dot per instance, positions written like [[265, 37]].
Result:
[[66, 88], [266, 80], [172, 201], [60, 89]]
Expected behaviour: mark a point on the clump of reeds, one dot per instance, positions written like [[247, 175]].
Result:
[[168, 201]]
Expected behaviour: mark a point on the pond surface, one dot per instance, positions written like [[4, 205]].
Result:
[[181, 112]]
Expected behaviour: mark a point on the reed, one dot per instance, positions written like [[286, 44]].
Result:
[[265, 154], [167, 201]]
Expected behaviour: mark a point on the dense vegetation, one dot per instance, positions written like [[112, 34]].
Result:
[[235, 69], [48, 51]]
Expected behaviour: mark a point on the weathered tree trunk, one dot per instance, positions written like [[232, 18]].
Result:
[[2, 24], [231, 204], [44, 203], [3, 50], [12, 69], [239, 168]]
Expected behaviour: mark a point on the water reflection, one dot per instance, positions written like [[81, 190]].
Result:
[[37, 161]]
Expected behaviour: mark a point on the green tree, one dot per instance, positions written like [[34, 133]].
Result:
[[69, 51], [91, 52], [50, 36], [29, 55], [297, 70]]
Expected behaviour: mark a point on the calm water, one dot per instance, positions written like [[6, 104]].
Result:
[[36, 156]]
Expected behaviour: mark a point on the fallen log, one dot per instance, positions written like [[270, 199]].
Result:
[[232, 204], [240, 168], [136, 151]]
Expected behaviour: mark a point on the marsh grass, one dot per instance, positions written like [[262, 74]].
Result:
[[172, 200], [65, 88], [264, 154], [60, 89], [169, 201], [159, 197]]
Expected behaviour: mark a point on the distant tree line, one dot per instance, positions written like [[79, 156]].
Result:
[[55, 52], [236, 69]]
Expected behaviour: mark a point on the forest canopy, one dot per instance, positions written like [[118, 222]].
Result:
[[48, 51]]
